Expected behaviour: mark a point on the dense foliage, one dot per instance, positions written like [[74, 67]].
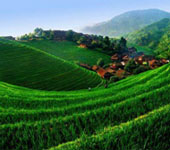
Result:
[[106, 44], [131, 66], [103, 44], [155, 36]]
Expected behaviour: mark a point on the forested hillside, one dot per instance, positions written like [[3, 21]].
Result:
[[127, 22], [155, 36]]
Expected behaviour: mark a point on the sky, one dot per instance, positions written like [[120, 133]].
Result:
[[18, 17]]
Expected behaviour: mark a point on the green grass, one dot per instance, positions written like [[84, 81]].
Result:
[[131, 114], [30, 67], [149, 131], [143, 49], [69, 51], [46, 119]]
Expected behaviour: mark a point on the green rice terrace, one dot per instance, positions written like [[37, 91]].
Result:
[[45, 103], [30, 67], [38, 112], [69, 51]]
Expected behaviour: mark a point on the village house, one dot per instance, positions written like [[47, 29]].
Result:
[[95, 68], [126, 58], [83, 46], [139, 60], [123, 63], [164, 61], [120, 65], [115, 57], [86, 66], [120, 73], [117, 68], [101, 72], [112, 71], [114, 66], [154, 64], [143, 59]]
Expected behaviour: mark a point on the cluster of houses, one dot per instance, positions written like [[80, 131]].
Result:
[[119, 61]]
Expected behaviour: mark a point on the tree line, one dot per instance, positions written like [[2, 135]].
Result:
[[106, 44]]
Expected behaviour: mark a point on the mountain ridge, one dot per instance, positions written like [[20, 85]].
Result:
[[127, 22]]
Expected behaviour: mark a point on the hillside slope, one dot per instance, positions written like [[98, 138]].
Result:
[[155, 36], [69, 51], [42, 119], [127, 22], [129, 135], [29, 67]]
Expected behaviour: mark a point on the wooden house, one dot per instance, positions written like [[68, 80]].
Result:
[[120, 73], [101, 72], [126, 58], [86, 66], [83, 46], [115, 57], [95, 68]]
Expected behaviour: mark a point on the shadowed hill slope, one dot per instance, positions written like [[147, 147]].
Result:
[[29, 67]]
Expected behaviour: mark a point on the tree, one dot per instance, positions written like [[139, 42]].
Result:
[[82, 40], [24, 37], [93, 44], [51, 36], [114, 79], [107, 40], [123, 43], [100, 62], [76, 37], [44, 35], [163, 49], [141, 69], [131, 66], [38, 32], [69, 35]]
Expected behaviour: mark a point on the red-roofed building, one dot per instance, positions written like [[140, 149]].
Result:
[[120, 73], [101, 72], [154, 63], [95, 68], [126, 58], [110, 70], [83, 46], [115, 57], [113, 66]]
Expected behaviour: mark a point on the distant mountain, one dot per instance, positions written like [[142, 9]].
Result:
[[155, 36], [127, 22]]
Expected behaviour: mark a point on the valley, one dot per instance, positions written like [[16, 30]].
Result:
[[105, 90]]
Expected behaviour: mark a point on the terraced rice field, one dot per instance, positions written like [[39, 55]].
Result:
[[41, 109], [70, 51], [131, 114], [30, 67]]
